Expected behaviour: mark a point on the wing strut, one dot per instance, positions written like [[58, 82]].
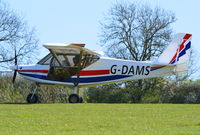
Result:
[[55, 56], [79, 68]]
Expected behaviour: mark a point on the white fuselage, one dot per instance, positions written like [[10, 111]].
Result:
[[104, 71]]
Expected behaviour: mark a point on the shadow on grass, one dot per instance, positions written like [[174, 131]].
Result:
[[15, 103], [18, 103]]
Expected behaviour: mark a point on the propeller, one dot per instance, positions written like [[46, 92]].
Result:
[[15, 69]]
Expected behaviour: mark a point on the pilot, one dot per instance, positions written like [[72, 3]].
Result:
[[76, 60]]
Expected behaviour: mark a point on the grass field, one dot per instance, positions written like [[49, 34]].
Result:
[[99, 119]]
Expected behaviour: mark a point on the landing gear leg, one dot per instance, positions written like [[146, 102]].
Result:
[[32, 97], [74, 97]]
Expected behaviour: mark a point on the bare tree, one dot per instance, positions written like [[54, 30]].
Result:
[[16, 39], [136, 32]]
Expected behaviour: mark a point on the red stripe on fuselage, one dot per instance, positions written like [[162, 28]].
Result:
[[157, 67], [82, 73], [36, 71], [94, 72]]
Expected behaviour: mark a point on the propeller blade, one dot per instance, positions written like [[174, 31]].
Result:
[[14, 76], [15, 72], [15, 59]]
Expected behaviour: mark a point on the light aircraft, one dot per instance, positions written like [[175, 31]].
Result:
[[76, 67]]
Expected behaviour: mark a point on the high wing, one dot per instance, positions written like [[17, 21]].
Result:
[[69, 48]]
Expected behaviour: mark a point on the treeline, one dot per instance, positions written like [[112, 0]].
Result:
[[166, 91], [187, 92]]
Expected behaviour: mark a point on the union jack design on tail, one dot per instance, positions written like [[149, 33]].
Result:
[[182, 49]]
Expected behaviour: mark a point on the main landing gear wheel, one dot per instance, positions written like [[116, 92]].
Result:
[[32, 98], [74, 98]]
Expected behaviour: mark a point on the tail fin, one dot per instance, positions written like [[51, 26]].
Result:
[[178, 52]]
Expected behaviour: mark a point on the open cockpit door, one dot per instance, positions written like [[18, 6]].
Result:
[[68, 61]]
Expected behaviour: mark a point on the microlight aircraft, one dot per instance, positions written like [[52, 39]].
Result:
[[77, 67]]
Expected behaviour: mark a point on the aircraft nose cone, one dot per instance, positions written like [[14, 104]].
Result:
[[13, 68]]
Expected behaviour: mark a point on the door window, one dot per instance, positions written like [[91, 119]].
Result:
[[64, 66]]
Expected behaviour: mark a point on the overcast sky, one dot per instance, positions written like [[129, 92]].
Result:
[[77, 21]]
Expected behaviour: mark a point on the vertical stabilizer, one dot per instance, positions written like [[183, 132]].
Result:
[[178, 52]]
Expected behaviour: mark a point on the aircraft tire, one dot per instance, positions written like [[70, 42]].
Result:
[[80, 99], [32, 100], [73, 98]]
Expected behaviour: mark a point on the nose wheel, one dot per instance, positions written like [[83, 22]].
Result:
[[32, 98]]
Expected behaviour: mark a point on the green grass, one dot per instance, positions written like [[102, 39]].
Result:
[[99, 119]]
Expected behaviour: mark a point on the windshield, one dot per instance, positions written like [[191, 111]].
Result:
[[46, 60]]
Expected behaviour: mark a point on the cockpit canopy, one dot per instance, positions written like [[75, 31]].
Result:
[[66, 61]]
